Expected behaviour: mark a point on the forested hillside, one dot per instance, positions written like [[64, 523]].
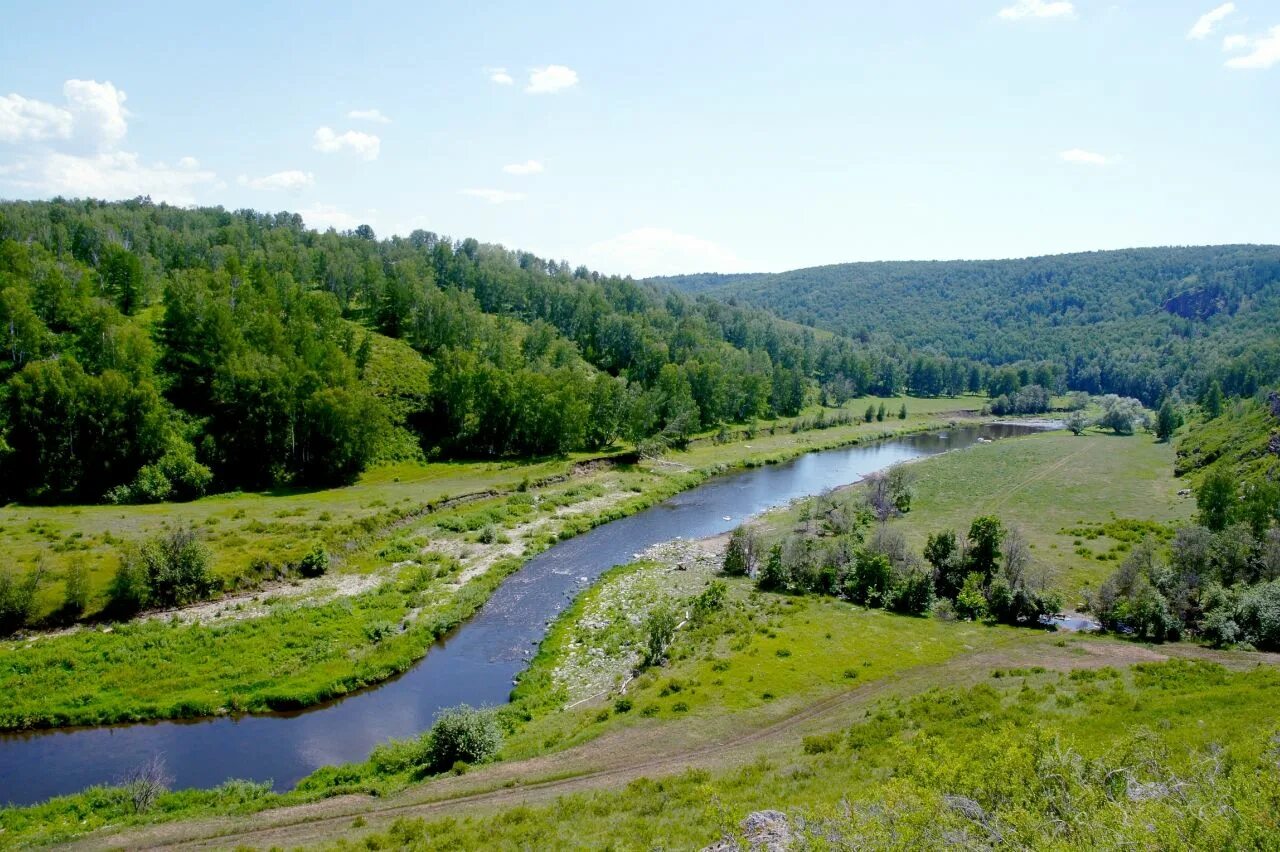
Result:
[[1138, 322], [152, 352]]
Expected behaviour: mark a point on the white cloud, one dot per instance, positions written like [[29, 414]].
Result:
[[528, 167], [659, 251], [110, 175], [551, 79], [1037, 9], [99, 111], [78, 152], [1085, 158], [499, 76], [291, 180], [94, 114], [1263, 50], [365, 145], [26, 120], [494, 196], [374, 115], [1204, 26], [321, 216]]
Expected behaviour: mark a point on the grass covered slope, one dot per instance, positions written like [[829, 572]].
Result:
[[1070, 496], [1099, 759], [1242, 440]]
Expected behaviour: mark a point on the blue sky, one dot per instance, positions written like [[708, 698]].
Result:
[[669, 137]]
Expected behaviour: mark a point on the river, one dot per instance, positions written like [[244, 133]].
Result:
[[475, 664]]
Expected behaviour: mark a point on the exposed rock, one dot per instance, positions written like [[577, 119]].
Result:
[[763, 831], [1273, 399], [1200, 303], [1273, 445]]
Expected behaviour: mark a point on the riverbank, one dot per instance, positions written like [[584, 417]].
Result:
[[433, 569], [769, 729]]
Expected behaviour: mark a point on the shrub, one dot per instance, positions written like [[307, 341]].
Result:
[[146, 783], [18, 597], [169, 570], [315, 563], [659, 629], [465, 734], [710, 600], [774, 576], [75, 598]]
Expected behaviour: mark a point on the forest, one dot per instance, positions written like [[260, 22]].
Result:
[[1137, 322], [152, 352]]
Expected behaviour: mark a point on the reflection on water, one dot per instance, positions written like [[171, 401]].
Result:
[[476, 664]]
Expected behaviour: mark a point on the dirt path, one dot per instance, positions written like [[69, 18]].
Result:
[[644, 750]]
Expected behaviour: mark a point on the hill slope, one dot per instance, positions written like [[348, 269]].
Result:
[[1135, 321], [149, 352]]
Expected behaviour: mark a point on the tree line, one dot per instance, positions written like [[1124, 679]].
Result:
[[152, 352], [1142, 323]]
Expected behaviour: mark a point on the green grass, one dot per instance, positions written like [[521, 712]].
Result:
[[1094, 759], [299, 655], [1050, 485], [1236, 440], [763, 653], [245, 530], [91, 676]]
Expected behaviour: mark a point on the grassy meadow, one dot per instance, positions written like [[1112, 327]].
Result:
[[1074, 498]]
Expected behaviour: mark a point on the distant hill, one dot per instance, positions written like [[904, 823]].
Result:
[[1137, 321]]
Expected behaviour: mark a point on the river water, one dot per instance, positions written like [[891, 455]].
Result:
[[475, 664]]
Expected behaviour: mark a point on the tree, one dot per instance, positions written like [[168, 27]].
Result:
[[1077, 421], [121, 273], [880, 412], [971, 602], [912, 593], [942, 552], [985, 535], [75, 596], [1167, 421], [18, 597], [871, 579], [902, 412], [1212, 401], [1216, 499], [1120, 414], [463, 734], [741, 555], [659, 630], [870, 413], [774, 575]]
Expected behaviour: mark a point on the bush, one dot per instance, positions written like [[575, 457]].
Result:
[[315, 563], [659, 629], [774, 576], [464, 734], [75, 598], [18, 597], [169, 570]]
